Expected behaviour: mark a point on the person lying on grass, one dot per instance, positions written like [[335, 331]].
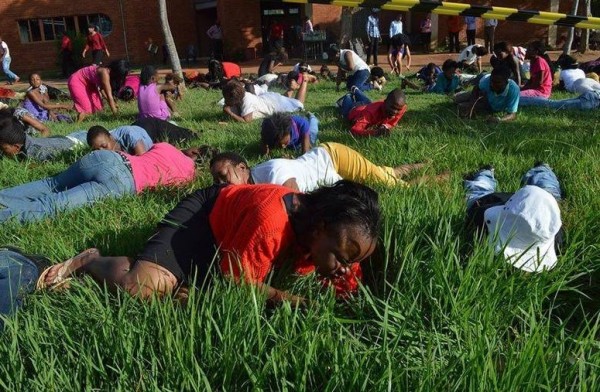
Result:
[[282, 130], [447, 82], [16, 143], [428, 75], [31, 125], [98, 175], [586, 101], [470, 58], [164, 131], [250, 230], [293, 84], [496, 93], [243, 106], [524, 226], [372, 118], [131, 139], [323, 165]]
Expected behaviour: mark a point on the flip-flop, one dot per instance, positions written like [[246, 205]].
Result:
[[63, 277]]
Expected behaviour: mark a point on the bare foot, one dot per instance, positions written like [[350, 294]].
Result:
[[59, 272], [405, 170]]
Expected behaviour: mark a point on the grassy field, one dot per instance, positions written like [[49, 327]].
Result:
[[442, 314]]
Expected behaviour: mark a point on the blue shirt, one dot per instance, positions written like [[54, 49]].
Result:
[[373, 27], [507, 101], [130, 135], [300, 127], [444, 86], [490, 22], [423, 74], [395, 28], [471, 22]]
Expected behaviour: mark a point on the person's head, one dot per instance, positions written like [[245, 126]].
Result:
[[98, 138], [12, 133], [428, 16], [449, 68], [535, 49], [337, 225], [399, 17], [126, 94], [91, 29], [375, 11], [502, 50], [394, 102], [148, 75], [566, 62], [173, 79], [229, 168], [119, 69], [233, 93], [276, 131], [430, 69], [480, 51], [35, 80], [376, 73], [281, 55], [499, 79], [306, 19], [303, 66], [324, 71], [293, 80]]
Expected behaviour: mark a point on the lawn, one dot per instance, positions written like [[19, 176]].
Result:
[[438, 312]]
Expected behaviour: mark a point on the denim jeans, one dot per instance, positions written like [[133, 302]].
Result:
[[352, 100], [484, 183], [359, 79], [587, 101], [6, 68], [98, 175], [18, 275]]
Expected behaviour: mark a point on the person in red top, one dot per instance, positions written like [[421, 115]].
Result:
[[254, 229], [276, 36], [454, 28], [372, 118], [231, 70], [540, 82], [66, 50], [96, 44]]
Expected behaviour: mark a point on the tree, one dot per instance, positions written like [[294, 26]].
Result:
[[346, 25], [164, 23]]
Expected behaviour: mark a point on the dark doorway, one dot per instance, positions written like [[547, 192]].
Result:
[[205, 18], [290, 16]]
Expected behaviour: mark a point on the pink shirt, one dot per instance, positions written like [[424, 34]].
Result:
[[539, 65], [163, 164], [151, 104]]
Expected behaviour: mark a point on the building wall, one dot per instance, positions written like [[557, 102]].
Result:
[[141, 22], [241, 23]]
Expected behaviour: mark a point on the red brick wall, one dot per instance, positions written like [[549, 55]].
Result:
[[141, 22], [241, 23], [328, 17]]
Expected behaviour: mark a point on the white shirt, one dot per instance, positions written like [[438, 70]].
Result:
[[267, 104], [359, 64], [311, 170], [569, 76], [297, 68], [467, 55], [395, 28], [5, 49], [215, 32]]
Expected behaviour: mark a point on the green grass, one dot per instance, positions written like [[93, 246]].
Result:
[[438, 313]]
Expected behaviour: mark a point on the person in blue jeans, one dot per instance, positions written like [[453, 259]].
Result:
[[131, 139], [18, 276], [586, 101], [524, 226], [351, 100], [6, 59]]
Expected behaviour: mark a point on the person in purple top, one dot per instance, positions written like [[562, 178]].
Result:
[[37, 102], [151, 101], [283, 130]]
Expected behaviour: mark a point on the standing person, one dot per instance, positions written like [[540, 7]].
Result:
[[540, 81], [66, 51], [95, 43], [307, 27], [426, 32], [373, 35], [276, 36], [471, 22], [454, 27], [215, 33], [399, 49], [489, 29], [6, 59], [396, 26], [85, 86]]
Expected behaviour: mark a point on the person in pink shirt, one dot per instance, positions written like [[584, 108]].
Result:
[[540, 82], [99, 175], [151, 101]]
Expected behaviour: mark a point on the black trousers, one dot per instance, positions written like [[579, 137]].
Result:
[[471, 37], [454, 43], [373, 50]]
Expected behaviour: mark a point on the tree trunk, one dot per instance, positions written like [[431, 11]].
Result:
[[346, 25], [164, 23], [569, 43], [584, 44]]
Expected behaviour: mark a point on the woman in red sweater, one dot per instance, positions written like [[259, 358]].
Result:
[[256, 228], [95, 43]]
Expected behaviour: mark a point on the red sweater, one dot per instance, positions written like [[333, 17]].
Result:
[[95, 42], [367, 117]]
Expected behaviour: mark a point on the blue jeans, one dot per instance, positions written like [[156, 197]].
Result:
[[352, 100], [98, 175], [18, 276], [586, 101], [484, 183], [313, 128], [359, 79], [6, 68]]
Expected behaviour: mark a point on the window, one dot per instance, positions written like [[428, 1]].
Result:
[[274, 12], [51, 29]]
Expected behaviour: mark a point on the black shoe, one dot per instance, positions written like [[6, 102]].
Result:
[[539, 163]]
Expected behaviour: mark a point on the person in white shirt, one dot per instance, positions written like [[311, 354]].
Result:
[[373, 35], [573, 78], [470, 55], [6, 59], [357, 70], [308, 26], [323, 165], [215, 33]]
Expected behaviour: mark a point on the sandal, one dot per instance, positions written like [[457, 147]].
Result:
[[63, 276]]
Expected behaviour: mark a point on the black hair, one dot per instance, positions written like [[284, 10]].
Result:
[[540, 49], [34, 73], [233, 91], [303, 66], [119, 69], [502, 71], [215, 71], [502, 47], [377, 72], [480, 51], [397, 95], [275, 128], [449, 64], [92, 26], [345, 203], [126, 94], [148, 71], [292, 75], [12, 131], [227, 156], [94, 132], [566, 62]]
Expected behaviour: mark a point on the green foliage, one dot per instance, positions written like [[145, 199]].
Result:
[[442, 314]]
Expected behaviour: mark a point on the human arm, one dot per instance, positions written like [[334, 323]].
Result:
[[277, 297], [479, 64], [301, 94], [106, 88], [247, 118], [292, 184], [515, 71], [408, 57], [103, 43], [37, 99], [139, 148], [33, 122], [306, 146]]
